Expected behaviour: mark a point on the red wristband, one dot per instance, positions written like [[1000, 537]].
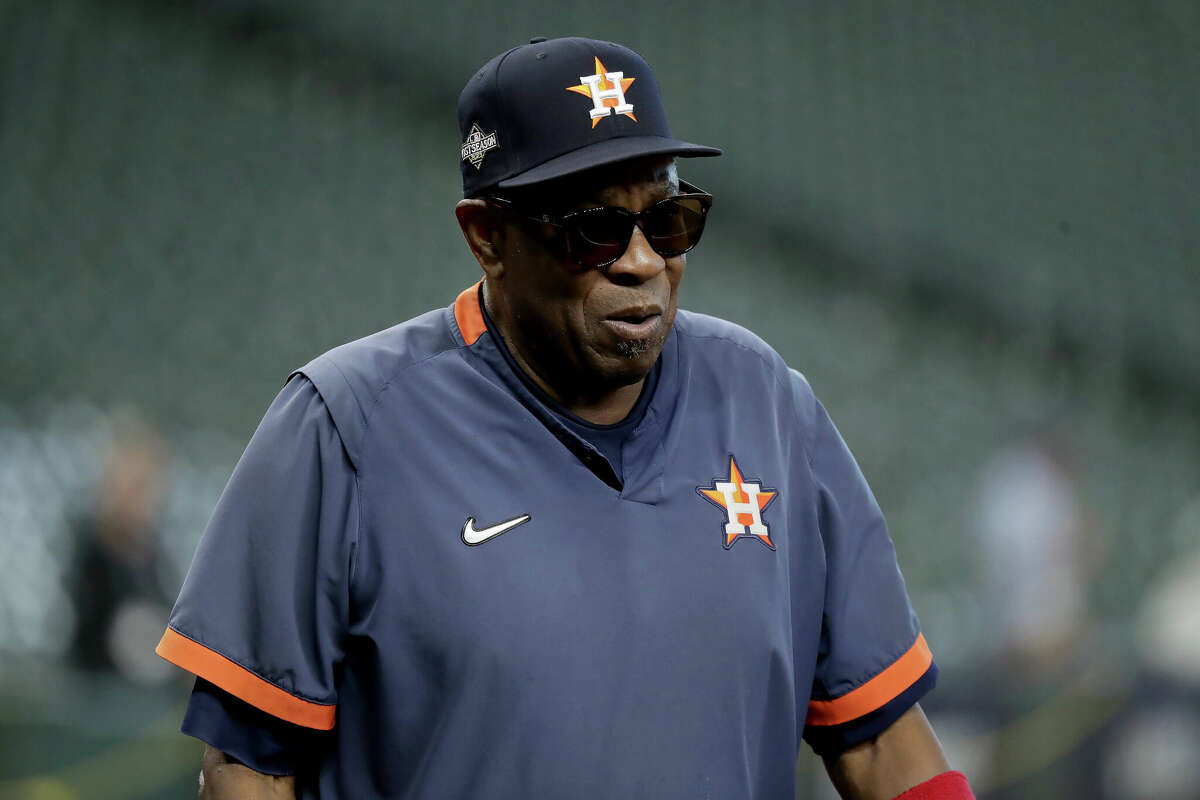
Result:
[[947, 786]]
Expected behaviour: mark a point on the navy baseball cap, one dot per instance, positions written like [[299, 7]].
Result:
[[554, 107]]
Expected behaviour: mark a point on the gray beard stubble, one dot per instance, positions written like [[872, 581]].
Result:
[[632, 349]]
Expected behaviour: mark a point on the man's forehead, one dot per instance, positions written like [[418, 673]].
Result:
[[657, 174]]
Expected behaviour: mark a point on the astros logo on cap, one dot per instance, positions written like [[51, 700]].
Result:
[[607, 90], [743, 502]]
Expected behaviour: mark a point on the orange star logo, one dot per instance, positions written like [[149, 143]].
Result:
[[743, 502], [606, 96]]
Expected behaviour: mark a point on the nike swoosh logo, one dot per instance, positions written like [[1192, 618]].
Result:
[[473, 536]]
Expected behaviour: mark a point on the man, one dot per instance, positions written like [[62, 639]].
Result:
[[556, 540]]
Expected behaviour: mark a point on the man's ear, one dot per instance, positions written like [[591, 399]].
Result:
[[483, 231]]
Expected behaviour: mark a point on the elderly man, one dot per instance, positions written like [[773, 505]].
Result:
[[558, 539]]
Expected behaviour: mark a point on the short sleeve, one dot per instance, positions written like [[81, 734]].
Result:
[[262, 742], [265, 605], [873, 662]]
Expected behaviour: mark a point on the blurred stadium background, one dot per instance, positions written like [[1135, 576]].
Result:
[[972, 225]]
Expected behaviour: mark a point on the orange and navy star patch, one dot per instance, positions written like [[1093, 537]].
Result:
[[607, 97], [743, 502]]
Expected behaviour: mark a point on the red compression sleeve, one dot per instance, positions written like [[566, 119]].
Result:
[[947, 786]]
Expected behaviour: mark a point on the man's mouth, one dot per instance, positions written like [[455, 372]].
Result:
[[635, 323]]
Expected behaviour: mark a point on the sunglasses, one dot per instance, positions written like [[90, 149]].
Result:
[[597, 237]]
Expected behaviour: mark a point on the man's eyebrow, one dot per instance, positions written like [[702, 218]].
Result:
[[572, 197], [667, 173], [666, 178]]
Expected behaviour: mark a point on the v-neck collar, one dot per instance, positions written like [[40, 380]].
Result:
[[644, 453]]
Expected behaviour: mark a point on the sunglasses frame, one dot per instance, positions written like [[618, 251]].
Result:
[[562, 221]]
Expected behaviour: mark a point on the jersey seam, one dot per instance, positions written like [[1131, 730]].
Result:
[[337, 429], [346, 380], [396, 374], [807, 448], [392, 378], [714, 338], [252, 671], [357, 539], [353, 466], [457, 344]]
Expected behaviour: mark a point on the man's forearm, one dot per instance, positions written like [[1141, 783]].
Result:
[[224, 778], [904, 755]]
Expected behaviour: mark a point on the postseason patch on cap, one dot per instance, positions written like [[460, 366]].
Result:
[[477, 145]]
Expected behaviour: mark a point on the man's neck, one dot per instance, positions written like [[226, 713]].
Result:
[[594, 404], [607, 409]]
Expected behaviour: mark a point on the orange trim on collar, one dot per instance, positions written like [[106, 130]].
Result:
[[241, 682], [875, 693], [468, 315]]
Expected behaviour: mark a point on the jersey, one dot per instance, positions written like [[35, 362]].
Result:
[[414, 555]]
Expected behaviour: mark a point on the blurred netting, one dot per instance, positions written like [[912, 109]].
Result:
[[972, 226]]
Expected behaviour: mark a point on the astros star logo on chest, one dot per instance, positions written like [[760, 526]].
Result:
[[743, 502]]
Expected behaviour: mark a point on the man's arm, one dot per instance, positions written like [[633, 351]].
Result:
[[225, 778], [904, 755]]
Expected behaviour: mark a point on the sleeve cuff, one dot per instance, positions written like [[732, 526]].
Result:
[[875, 693], [262, 742], [242, 683], [828, 740]]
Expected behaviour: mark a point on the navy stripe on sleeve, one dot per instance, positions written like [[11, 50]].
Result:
[[829, 740]]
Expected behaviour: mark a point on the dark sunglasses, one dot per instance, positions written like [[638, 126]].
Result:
[[596, 237]]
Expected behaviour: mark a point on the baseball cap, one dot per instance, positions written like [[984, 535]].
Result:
[[555, 107]]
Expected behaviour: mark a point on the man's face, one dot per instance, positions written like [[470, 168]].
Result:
[[590, 330]]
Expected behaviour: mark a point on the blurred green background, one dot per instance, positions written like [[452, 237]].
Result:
[[973, 226]]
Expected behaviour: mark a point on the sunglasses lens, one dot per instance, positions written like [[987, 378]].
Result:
[[675, 225], [601, 236], [598, 237]]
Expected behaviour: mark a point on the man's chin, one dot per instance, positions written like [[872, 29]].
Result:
[[630, 361], [637, 350]]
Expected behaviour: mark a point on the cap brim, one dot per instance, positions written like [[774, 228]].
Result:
[[609, 151]]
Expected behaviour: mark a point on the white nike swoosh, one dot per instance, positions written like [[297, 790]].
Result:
[[472, 536]]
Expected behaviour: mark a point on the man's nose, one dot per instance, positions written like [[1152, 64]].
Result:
[[639, 263]]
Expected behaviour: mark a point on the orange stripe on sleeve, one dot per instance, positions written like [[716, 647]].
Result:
[[877, 692], [468, 315], [241, 682]]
